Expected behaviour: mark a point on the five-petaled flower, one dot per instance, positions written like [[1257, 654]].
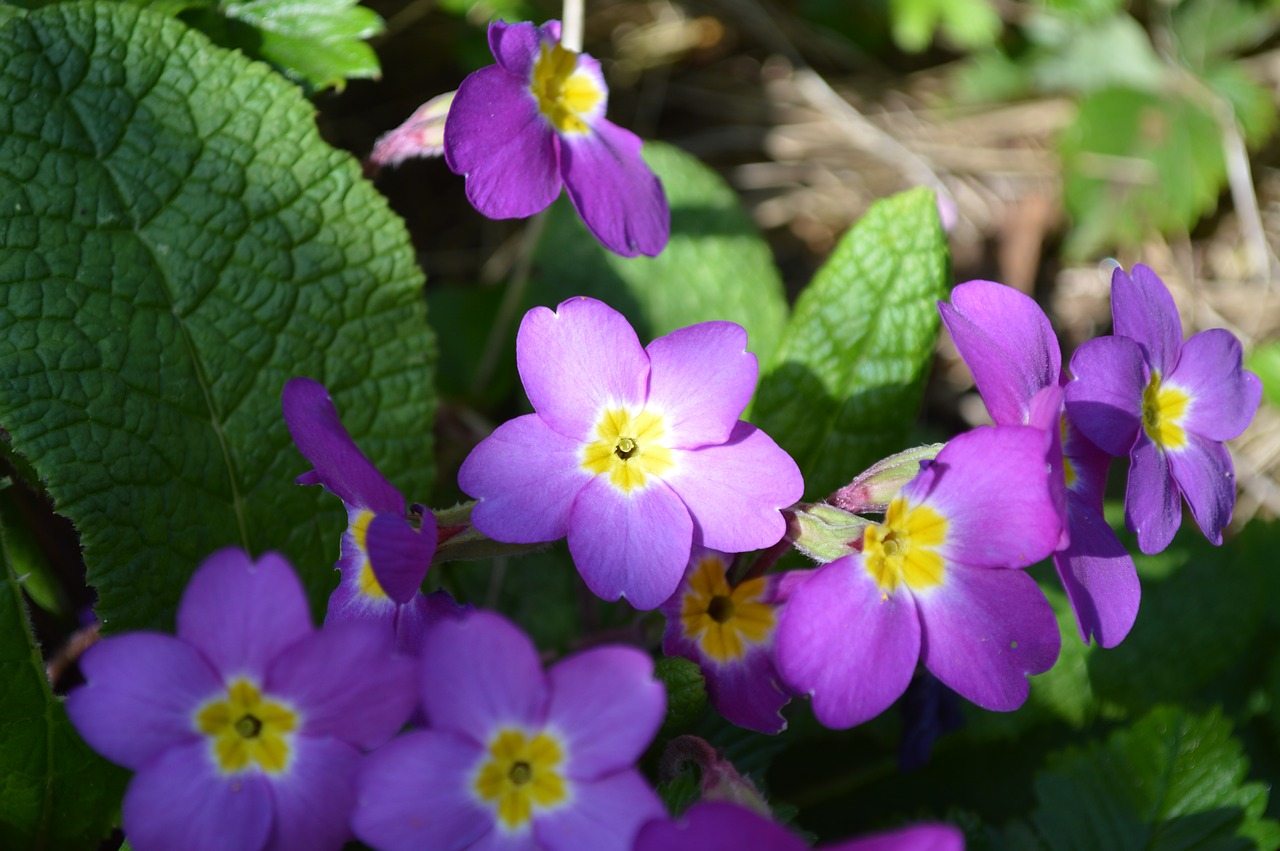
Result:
[[515, 757], [520, 129], [1168, 405], [635, 453], [245, 729], [932, 584]]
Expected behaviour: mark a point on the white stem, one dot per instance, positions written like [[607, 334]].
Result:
[[571, 26]]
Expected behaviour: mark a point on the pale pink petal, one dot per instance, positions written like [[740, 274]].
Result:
[[701, 379]]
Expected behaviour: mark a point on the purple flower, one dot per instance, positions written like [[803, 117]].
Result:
[[1010, 347], [383, 557], [729, 633], [635, 453], [716, 826], [930, 585], [1168, 405], [520, 128], [245, 730], [515, 757]]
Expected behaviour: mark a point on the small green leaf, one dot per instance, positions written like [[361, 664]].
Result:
[[1265, 361], [966, 24], [1079, 57], [179, 242], [686, 693], [55, 792], [845, 385], [716, 266]]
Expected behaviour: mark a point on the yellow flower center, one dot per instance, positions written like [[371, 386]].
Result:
[[629, 448], [521, 774], [565, 92], [365, 580], [1162, 411], [903, 549], [725, 622], [248, 730]]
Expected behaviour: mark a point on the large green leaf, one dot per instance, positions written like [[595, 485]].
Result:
[[716, 266], [1171, 781], [54, 791], [178, 243], [846, 382]]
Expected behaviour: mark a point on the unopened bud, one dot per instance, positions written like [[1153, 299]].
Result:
[[823, 532], [421, 135], [873, 490]]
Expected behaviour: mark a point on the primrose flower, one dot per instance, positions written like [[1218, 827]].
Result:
[[383, 557], [515, 757], [717, 826], [519, 129], [245, 729], [1010, 347], [930, 585], [635, 453], [728, 632], [1168, 405]]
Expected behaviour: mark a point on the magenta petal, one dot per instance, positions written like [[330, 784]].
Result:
[[985, 631], [701, 378], [400, 554], [607, 706], [1152, 503], [1224, 397], [748, 692], [578, 361], [1143, 310], [845, 643], [632, 545], [735, 490], [178, 801], [618, 197], [348, 682], [1105, 399], [1008, 344], [480, 672], [526, 477], [1206, 477], [414, 793], [1046, 413], [314, 800], [516, 46], [1099, 576], [241, 613], [339, 464], [498, 140], [717, 826], [605, 816], [141, 694], [919, 837], [499, 840]]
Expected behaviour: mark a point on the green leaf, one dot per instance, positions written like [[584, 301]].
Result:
[[1250, 101], [716, 266], [54, 791], [967, 24], [1172, 780], [1079, 56], [845, 385], [686, 693], [30, 567], [1265, 361], [179, 243]]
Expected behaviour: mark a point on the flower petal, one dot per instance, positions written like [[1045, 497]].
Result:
[[985, 631], [701, 378], [497, 139], [917, 837], [1143, 310], [735, 490], [717, 826], [605, 816], [632, 545], [1152, 503], [339, 464], [1008, 344], [480, 672], [516, 46], [1099, 576], [526, 477], [414, 793], [607, 706], [619, 198], [850, 647], [578, 361], [399, 554], [241, 613], [1224, 397], [314, 800], [348, 683], [1206, 477], [1105, 399], [141, 695], [748, 692], [178, 801]]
